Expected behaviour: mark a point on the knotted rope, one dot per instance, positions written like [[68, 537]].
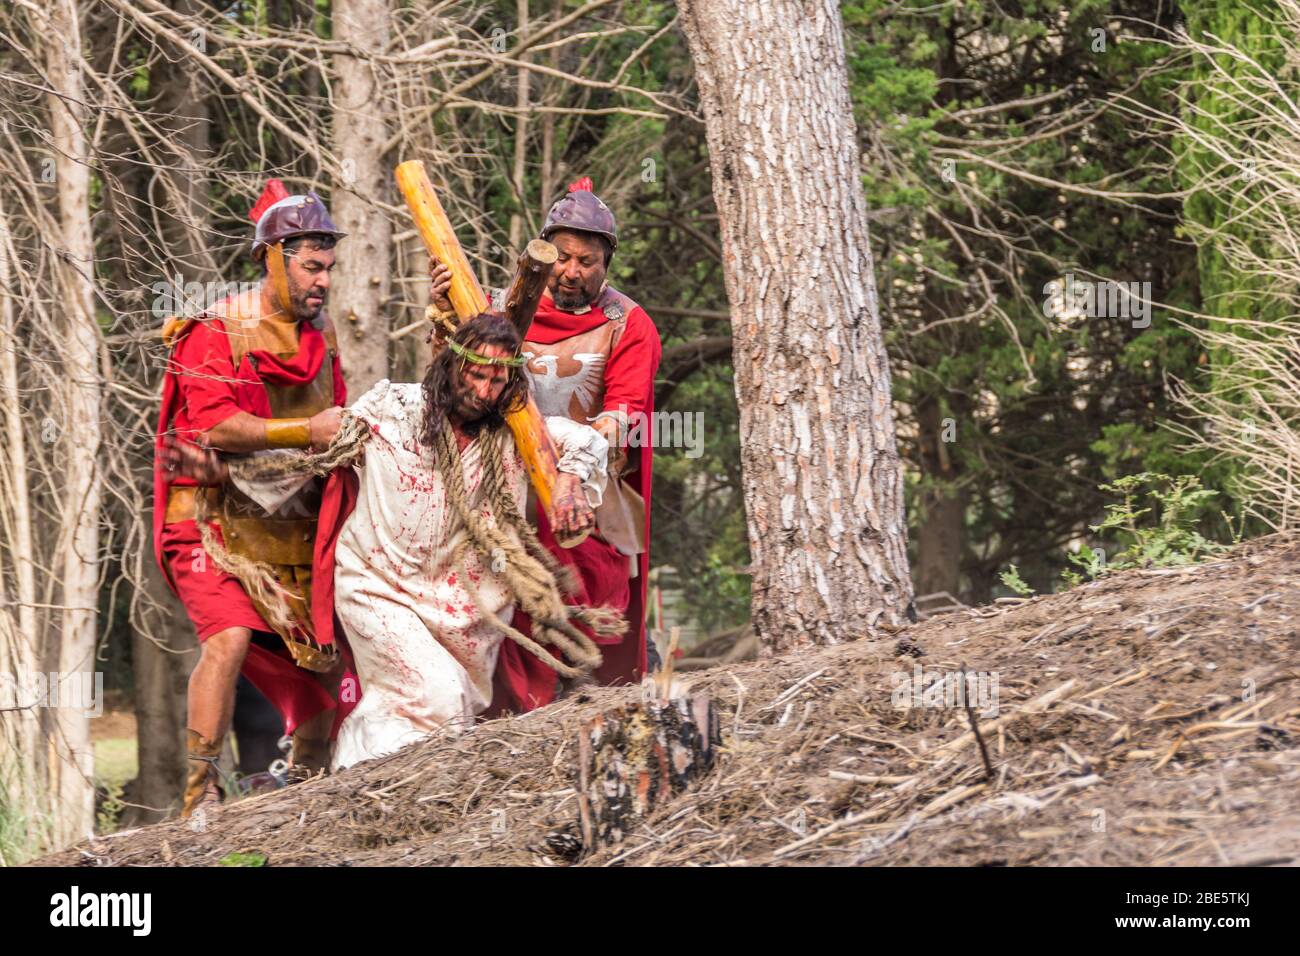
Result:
[[530, 572], [260, 582]]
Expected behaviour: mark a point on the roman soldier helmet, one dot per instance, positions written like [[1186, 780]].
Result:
[[280, 216], [582, 211]]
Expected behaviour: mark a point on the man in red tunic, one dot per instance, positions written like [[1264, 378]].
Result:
[[593, 353], [258, 371]]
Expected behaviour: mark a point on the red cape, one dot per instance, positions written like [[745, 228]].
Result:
[[629, 384]]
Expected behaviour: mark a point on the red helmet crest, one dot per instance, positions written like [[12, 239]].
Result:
[[581, 210]]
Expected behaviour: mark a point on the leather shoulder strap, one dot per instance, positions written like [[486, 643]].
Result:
[[240, 340], [180, 326], [326, 326], [174, 329], [238, 349]]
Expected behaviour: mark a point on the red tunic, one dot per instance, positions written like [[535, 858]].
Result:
[[602, 360], [201, 389]]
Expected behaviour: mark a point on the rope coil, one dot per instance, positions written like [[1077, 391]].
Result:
[[260, 582], [534, 577]]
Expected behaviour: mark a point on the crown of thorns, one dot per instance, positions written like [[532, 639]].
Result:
[[477, 358]]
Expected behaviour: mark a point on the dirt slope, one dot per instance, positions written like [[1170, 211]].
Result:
[[1149, 718]]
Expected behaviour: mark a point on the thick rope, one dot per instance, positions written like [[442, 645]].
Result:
[[602, 620], [261, 583], [529, 570], [347, 446], [537, 581]]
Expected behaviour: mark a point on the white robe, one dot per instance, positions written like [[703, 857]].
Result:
[[424, 654]]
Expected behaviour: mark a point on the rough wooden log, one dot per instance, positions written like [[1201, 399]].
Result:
[[635, 758], [431, 221], [468, 300], [532, 272], [531, 438]]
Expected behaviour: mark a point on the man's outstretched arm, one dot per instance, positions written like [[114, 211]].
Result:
[[243, 432]]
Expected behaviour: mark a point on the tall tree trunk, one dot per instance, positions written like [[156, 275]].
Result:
[[21, 766], [823, 481], [163, 651], [359, 294], [183, 103], [941, 529], [73, 765]]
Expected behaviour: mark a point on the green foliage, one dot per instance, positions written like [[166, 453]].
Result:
[[718, 592], [251, 858], [108, 807], [1092, 562], [1155, 524], [14, 836], [1012, 579], [1071, 579], [22, 833], [1233, 123], [699, 522], [1156, 521], [1043, 410]]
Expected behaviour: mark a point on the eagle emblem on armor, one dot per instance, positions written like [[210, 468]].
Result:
[[554, 388]]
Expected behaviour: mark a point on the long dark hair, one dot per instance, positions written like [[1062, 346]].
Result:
[[486, 329]]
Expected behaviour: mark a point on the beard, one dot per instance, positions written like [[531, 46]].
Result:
[[570, 299], [302, 309], [468, 409]]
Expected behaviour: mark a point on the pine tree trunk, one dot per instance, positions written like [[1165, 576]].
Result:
[[163, 644], [823, 482], [939, 539], [164, 650], [359, 291], [72, 766], [183, 105]]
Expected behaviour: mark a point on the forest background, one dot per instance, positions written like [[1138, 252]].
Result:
[[1009, 151]]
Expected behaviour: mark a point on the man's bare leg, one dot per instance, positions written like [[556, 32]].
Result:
[[212, 683], [211, 707]]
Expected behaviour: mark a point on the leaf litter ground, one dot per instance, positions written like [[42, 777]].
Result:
[[1148, 718]]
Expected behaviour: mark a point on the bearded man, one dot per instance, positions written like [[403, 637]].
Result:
[[592, 356], [431, 550], [259, 370]]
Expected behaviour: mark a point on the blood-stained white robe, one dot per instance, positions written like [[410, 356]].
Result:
[[424, 654]]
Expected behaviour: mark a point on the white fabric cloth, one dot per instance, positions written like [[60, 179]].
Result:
[[271, 494], [424, 655]]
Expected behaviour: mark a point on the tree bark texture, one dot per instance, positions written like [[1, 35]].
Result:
[[22, 770], [72, 761], [941, 529], [822, 477], [164, 650], [358, 300], [185, 118]]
